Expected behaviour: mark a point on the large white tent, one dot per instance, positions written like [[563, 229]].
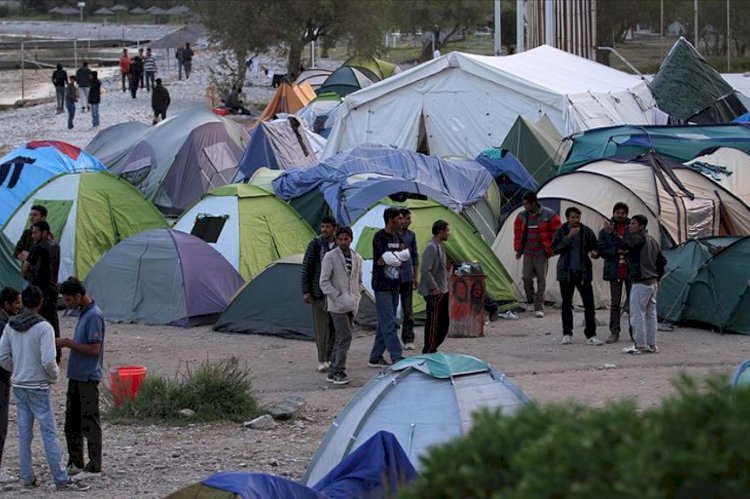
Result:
[[460, 104], [733, 172]]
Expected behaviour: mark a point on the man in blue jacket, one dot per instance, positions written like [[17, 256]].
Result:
[[615, 265]]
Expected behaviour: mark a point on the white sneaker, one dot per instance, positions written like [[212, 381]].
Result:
[[594, 341], [409, 346], [73, 470], [6, 478], [323, 367], [539, 314], [83, 475], [567, 339]]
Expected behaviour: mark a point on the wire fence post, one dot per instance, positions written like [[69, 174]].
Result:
[[23, 73], [75, 52]]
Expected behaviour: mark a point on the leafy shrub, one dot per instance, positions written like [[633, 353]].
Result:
[[694, 445], [220, 390]]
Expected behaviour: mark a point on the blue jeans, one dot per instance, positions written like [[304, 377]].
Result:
[[37, 404], [94, 114], [386, 304], [71, 107], [150, 79]]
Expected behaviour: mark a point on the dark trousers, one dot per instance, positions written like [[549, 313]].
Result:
[[157, 114], [615, 294], [134, 82], [436, 327], [125, 81], [406, 293], [49, 312], [535, 268], [82, 421], [586, 290], [343, 324], [4, 405]]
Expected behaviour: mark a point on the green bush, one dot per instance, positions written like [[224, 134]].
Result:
[[696, 444], [220, 390]]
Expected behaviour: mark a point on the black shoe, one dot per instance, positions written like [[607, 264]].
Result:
[[330, 377], [340, 378], [378, 364]]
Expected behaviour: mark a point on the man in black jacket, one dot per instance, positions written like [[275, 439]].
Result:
[[83, 78], [136, 72], [59, 80], [576, 245], [95, 98], [160, 101], [313, 295], [615, 265]]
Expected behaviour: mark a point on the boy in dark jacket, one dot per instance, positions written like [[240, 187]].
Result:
[[59, 80], [576, 245], [160, 101], [615, 265]]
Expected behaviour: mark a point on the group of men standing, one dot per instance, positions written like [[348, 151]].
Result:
[[30, 354], [140, 72], [633, 265], [84, 87], [332, 285]]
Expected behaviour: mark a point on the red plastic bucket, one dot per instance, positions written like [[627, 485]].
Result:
[[126, 381]]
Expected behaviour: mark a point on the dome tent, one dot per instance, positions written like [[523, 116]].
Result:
[[162, 276], [88, 213], [10, 270], [113, 144], [728, 167]]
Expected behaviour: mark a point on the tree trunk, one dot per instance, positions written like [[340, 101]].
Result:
[[294, 59], [240, 57]]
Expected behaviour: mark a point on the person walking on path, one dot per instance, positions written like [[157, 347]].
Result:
[[83, 78], [10, 306], [95, 98], [533, 229], [185, 61], [433, 285], [341, 282], [142, 58], [576, 245], [312, 293], [646, 265], [125, 69], [71, 97], [385, 283], [59, 79], [160, 101], [82, 419], [136, 72], [409, 281], [149, 67], [615, 265], [27, 349]]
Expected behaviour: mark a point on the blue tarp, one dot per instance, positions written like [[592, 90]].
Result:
[[501, 162], [258, 153], [354, 180], [25, 169], [745, 118], [375, 470]]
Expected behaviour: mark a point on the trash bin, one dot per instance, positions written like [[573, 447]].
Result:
[[126, 381], [466, 306]]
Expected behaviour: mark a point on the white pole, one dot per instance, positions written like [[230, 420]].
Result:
[[695, 21], [75, 51], [23, 73], [498, 29], [729, 38], [549, 26], [520, 10]]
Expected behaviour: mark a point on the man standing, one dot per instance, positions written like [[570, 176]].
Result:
[[95, 98], [38, 213], [187, 60], [160, 101], [646, 268], [433, 285], [149, 66], [532, 239], [143, 69], [615, 265], [71, 97], [27, 349], [59, 79], [341, 282], [125, 68], [178, 56], [313, 295], [10, 305], [385, 284], [83, 78], [408, 277], [84, 375], [576, 245], [136, 73]]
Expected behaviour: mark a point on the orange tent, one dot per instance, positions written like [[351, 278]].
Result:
[[289, 98]]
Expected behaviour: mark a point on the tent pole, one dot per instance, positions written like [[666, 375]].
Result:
[[549, 28], [498, 29], [519, 26]]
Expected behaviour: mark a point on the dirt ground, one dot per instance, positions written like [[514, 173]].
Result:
[[154, 460]]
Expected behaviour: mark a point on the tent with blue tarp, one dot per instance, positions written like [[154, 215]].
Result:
[[25, 169], [511, 177], [279, 145], [745, 118]]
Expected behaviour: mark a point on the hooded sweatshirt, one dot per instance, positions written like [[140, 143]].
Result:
[[27, 350]]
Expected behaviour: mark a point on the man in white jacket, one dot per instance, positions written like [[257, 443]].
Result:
[[27, 350], [341, 282]]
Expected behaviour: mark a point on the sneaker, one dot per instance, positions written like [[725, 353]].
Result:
[[34, 483], [632, 350], [409, 346], [340, 378], [88, 472], [594, 341], [567, 339], [72, 486], [612, 338], [651, 349], [508, 315], [539, 314], [73, 470], [379, 364], [329, 377], [6, 478], [323, 367]]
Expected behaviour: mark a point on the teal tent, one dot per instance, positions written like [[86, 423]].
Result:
[[10, 271]]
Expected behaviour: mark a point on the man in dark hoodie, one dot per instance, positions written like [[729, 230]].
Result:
[[615, 265], [136, 73], [83, 78], [95, 98], [71, 97], [59, 79], [27, 349], [10, 305], [160, 101]]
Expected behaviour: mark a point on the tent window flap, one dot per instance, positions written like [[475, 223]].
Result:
[[209, 227], [700, 217]]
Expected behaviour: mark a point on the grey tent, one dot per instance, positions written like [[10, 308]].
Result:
[[255, 308], [423, 400], [537, 145], [182, 158], [163, 276], [114, 143]]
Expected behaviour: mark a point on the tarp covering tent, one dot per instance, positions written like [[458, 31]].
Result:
[[376, 470], [10, 268], [24, 169], [249, 226], [162, 276], [680, 143], [717, 295], [741, 84], [690, 90], [728, 167], [88, 213], [346, 80], [352, 181], [424, 400], [537, 145], [254, 309], [288, 99], [512, 179], [380, 68], [113, 144], [465, 245], [279, 145], [182, 158], [315, 77], [320, 114], [460, 104]]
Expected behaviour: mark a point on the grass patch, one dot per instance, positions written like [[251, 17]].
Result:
[[218, 390]]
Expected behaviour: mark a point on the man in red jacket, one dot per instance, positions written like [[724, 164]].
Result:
[[533, 230]]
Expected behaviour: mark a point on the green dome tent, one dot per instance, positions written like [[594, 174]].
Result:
[[537, 145], [10, 270]]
